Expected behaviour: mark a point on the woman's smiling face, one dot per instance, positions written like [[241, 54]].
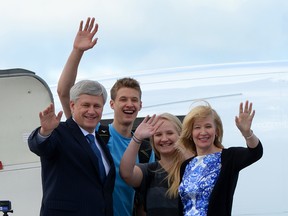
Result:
[[204, 133], [166, 137]]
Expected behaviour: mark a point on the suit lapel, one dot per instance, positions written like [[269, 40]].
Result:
[[82, 141]]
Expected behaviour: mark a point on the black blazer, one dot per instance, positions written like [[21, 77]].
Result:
[[70, 176]]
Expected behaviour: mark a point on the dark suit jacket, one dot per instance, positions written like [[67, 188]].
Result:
[[70, 176]]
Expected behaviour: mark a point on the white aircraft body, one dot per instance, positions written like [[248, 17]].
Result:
[[262, 187]]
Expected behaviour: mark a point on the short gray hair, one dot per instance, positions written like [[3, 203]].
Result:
[[88, 87]]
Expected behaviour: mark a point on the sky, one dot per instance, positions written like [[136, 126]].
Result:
[[134, 35]]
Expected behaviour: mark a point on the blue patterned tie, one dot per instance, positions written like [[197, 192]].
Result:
[[95, 149]]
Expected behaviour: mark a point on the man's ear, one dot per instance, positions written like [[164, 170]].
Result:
[[140, 105], [112, 104], [72, 104]]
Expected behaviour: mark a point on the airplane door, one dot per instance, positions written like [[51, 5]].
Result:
[[23, 95]]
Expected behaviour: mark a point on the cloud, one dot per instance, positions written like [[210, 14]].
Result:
[[138, 35]]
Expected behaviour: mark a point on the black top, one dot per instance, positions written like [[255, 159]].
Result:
[[154, 187]]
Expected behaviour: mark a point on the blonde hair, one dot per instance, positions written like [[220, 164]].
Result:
[[176, 123], [173, 177], [174, 171], [200, 112], [186, 147]]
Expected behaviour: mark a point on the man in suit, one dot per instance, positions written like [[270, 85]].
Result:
[[71, 177], [125, 102]]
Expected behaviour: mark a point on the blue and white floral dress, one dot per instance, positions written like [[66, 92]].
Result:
[[198, 181]]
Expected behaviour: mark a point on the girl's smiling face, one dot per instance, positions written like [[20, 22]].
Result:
[[165, 138]]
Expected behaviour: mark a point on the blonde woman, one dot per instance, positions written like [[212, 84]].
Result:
[[208, 180], [155, 179]]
